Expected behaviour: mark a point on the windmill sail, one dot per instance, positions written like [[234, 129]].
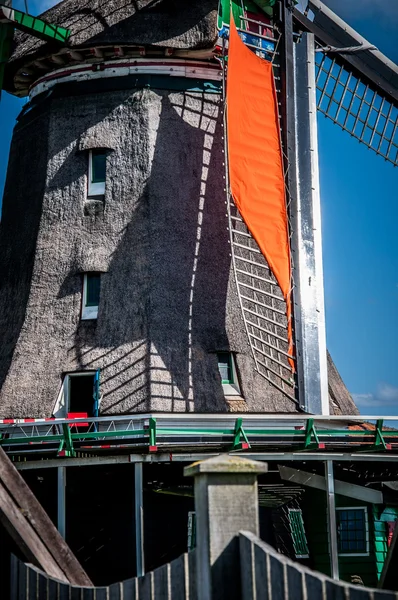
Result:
[[356, 84], [256, 170]]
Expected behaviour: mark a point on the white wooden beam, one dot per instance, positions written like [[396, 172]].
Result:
[[343, 488]]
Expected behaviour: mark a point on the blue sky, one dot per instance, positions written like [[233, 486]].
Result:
[[360, 243], [360, 215]]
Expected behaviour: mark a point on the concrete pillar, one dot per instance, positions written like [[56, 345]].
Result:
[[226, 502]]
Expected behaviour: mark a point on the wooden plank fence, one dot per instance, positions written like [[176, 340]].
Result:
[[268, 575], [264, 574], [173, 581]]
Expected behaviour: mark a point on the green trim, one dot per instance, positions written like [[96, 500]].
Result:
[[67, 442], [380, 517], [238, 8], [379, 440], [239, 433], [39, 28], [297, 440], [152, 434], [311, 433], [299, 538], [177, 432], [191, 530]]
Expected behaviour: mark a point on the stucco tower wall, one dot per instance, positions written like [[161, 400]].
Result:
[[168, 299]]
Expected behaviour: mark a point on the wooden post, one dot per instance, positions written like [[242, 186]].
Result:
[[139, 519], [61, 501], [226, 502], [32, 529], [331, 515]]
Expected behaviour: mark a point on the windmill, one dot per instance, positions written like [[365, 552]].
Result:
[[311, 53], [133, 267]]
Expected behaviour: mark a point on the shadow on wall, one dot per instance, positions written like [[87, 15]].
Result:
[[163, 299], [22, 210], [168, 277], [160, 21], [191, 256], [26, 272]]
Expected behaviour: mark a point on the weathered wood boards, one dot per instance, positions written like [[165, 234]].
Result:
[[173, 581], [32, 529]]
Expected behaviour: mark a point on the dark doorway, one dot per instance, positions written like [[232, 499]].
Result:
[[168, 499], [100, 526], [81, 394]]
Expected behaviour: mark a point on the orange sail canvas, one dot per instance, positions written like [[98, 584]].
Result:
[[255, 160]]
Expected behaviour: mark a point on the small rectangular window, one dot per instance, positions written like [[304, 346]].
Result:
[[227, 370], [91, 295], [96, 172], [225, 367], [352, 531], [298, 533]]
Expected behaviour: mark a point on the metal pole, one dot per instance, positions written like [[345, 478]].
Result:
[[139, 519], [307, 238], [288, 113], [331, 513], [301, 149], [61, 485]]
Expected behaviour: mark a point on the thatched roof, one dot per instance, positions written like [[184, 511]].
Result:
[[341, 402], [163, 23]]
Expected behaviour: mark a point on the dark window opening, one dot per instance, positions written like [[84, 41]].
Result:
[[352, 531], [98, 169], [81, 394], [93, 289]]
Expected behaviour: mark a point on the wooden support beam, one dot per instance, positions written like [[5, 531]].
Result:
[[26, 538], [365, 494], [33, 530]]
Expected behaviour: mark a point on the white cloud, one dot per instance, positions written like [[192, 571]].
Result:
[[385, 395], [362, 400]]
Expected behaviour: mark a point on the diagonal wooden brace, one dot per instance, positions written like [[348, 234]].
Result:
[[311, 437], [152, 435], [380, 443], [239, 433], [66, 445]]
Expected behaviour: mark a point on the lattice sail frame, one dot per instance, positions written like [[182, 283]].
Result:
[[356, 107], [372, 119], [263, 307], [261, 299]]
